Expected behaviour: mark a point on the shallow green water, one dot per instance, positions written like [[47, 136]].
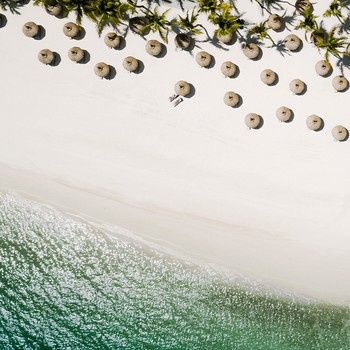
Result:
[[67, 285]]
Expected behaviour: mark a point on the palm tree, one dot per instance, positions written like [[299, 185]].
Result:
[[260, 31], [333, 45], [335, 10], [157, 22], [302, 5], [188, 23], [318, 35], [53, 7], [225, 20], [207, 6], [81, 8], [308, 23], [108, 12]]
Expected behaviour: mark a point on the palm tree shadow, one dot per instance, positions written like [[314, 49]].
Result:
[[343, 62], [345, 26], [289, 21], [215, 42], [13, 6], [192, 46], [280, 48]]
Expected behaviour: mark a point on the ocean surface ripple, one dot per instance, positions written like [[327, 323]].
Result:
[[66, 284]]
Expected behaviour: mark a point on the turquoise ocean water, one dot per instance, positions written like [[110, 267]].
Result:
[[65, 284]]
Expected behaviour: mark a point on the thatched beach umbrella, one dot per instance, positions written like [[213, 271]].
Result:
[[182, 41], [301, 5], [130, 64], [268, 76], [340, 133], [314, 122], [225, 38], [112, 40], [228, 69], [76, 54], [46, 56], [251, 50], [153, 47], [284, 114], [292, 42], [275, 22], [30, 29], [203, 58], [182, 88], [231, 99], [54, 10], [71, 29], [297, 86], [340, 83], [252, 120], [323, 68], [102, 69], [139, 25]]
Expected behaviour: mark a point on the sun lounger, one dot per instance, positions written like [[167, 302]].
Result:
[[176, 102], [173, 97]]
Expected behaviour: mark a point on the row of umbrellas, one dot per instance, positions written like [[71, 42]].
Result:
[[251, 50], [283, 113], [112, 39], [269, 77], [70, 29], [292, 42], [204, 59], [76, 54], [313, 122]]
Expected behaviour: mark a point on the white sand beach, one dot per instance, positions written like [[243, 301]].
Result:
[[272, 204]]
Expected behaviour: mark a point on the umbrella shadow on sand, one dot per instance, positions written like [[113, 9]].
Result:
[[81, 34], [112, 73], [86, 58], [57, 59], [192, 91], [41, 33], [3, 20]]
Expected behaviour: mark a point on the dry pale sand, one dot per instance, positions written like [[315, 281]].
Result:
[[272, 204]]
